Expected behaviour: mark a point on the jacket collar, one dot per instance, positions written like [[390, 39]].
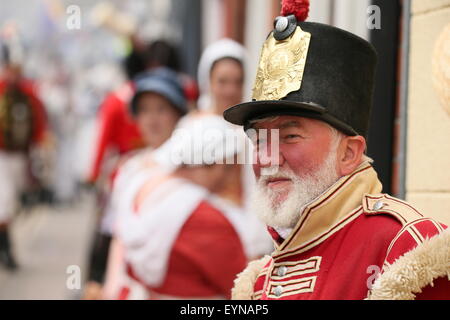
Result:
[[334, 207]]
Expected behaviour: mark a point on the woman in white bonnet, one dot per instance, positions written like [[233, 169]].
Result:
[[221, 79], [221, 76]]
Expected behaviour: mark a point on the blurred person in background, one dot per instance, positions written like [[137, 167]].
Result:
[[178, 238], [221, 80], [221, 75], [119, 130], [23, 126], [157, 105]]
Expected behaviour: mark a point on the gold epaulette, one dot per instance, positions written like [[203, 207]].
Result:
[[417, 268], [386, 204]]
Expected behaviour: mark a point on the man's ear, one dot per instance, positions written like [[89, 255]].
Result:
[[350, 153]]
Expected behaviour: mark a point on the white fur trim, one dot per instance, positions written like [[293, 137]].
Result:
[[415, 270], [245, 281]]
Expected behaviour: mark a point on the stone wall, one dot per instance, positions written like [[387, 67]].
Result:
[[428, 131]]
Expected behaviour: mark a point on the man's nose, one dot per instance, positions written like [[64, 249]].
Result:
[[269, 155]]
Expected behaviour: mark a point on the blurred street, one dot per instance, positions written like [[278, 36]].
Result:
[[46, 241]]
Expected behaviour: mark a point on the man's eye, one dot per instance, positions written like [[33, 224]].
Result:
[[291, 136]]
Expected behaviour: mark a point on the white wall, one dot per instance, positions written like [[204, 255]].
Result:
[[256, 31], [320, 11], [213, 21], [351, 15]]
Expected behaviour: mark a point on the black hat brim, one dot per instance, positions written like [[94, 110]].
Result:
[[243, 113]]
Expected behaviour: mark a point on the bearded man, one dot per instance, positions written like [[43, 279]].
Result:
[[336, 235]]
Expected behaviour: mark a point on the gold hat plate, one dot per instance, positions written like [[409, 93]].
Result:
[[281, 66]]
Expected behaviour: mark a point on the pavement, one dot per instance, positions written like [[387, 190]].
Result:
[[51, 245]]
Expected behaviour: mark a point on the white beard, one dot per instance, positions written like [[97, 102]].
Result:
[[304, 190]]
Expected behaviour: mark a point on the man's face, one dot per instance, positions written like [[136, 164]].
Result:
[[303, 168]]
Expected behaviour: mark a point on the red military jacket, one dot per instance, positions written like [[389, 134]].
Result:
[[354, 243], [28, 88], [117, 128]]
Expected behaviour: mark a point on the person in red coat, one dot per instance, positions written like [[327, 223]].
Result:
[[23, 89], [119, 131], [23, 124], [336, 234], [190, 248], [179, 238], [157, 104], [116, 128]]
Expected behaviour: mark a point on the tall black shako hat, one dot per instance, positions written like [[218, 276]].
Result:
[[311, 70]]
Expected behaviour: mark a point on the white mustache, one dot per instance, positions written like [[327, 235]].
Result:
[[276, 174], [269, 171]]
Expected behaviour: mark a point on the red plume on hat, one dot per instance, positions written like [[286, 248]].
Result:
[[299, 8]]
